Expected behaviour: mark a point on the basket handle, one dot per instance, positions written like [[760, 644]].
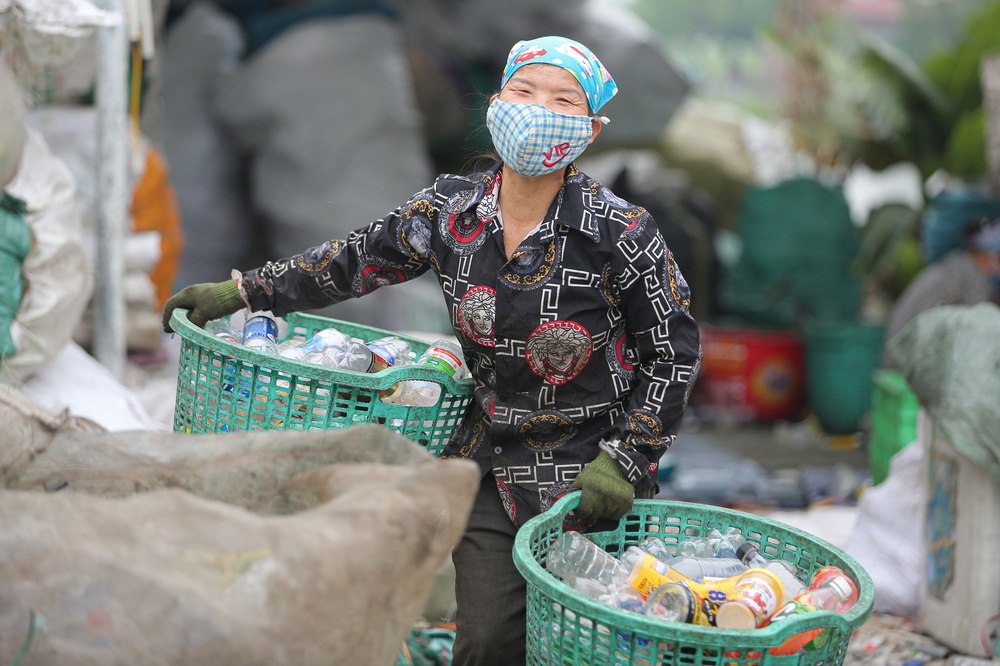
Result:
[[566, 503]]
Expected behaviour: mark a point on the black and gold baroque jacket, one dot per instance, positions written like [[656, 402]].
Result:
[[583, 334]]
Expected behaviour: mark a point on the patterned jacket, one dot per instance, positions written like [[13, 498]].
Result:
[[583, 335]]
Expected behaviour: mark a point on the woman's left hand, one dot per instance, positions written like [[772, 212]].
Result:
[[606, 490]]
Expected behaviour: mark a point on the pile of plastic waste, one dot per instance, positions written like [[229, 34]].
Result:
[[333, 348], [718, 580]]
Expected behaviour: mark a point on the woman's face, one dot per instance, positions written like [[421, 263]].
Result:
[[552, 87]]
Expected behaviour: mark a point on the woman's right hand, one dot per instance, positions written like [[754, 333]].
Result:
[[204, 302]]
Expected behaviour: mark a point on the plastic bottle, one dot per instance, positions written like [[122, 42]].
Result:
[[351, 356], [724, 544], [700, 568], [625, 597], [392, 349], [657, 548], [260, 332], [758, 593], [830, 589], [713, 544], [224, 330], [327, 337], [750, 556], [646, 574], [588, 587], [572, 554], [444, 355], [287, 349]]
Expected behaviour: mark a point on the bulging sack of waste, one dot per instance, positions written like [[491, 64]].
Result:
[[154, 550]]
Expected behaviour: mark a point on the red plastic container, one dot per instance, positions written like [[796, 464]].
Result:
[[750, 374]]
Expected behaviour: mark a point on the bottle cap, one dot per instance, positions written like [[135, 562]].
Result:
[[734, 614], [745, 548]]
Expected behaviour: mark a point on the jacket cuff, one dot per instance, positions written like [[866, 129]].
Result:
[[615, 448]]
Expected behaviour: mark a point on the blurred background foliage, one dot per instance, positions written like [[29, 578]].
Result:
[[869, 80]]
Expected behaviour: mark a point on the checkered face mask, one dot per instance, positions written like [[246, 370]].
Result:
[[533, 140]]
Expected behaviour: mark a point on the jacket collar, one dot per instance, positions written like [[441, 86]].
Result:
[[567, 209]]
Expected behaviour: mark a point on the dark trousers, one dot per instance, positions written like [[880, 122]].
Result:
[[489, 590]]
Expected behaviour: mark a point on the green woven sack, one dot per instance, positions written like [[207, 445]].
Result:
[[15, 241]]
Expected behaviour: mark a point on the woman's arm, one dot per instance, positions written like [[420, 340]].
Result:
[[655, 300], [391, 250]]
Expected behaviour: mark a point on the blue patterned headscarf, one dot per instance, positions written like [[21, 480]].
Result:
[[572, 56]]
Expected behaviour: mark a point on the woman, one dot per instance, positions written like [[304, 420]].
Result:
[[570, 309]]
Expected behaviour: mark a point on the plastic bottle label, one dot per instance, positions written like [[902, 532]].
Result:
[[798, 606], [442, 359]]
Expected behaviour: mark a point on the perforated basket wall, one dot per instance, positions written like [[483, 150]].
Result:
[[224, 387], [566, 628]]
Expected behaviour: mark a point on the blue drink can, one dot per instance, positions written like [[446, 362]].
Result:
[[261, 333]]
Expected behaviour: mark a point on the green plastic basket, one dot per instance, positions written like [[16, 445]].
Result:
[[566, 628], [894, 421], [224, 387]]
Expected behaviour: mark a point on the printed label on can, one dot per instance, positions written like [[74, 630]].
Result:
[[648, 574], [710, 602], [383, 353], [260, 326], [757, 595]]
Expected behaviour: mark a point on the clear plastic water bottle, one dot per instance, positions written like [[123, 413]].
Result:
[[260, 332], [351, 356], [713, 544], [224, 330], [392, 349], [572, 554], [625, 597], [700, 568], [657, 548], [724, 544], [588, 587], [749, 554], [290, 349], [444, 355], [327, 337]]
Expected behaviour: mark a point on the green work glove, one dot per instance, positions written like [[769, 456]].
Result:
[[606, 490], [204, 302]]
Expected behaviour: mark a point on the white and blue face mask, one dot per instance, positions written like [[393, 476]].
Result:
[[534, 140]]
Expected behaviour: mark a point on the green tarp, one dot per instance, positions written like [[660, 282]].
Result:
[[15, 241], [950, 356]]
